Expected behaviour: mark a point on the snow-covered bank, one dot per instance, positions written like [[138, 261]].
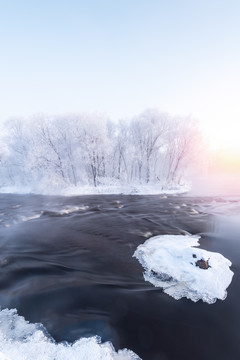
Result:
[[170, 263], [20, 340], [127, 190], [101, 189]]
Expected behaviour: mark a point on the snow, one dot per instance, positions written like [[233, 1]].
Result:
[[21, 340], [136, 189], [169, 263]]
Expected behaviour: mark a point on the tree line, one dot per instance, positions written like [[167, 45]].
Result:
[[90, 149]]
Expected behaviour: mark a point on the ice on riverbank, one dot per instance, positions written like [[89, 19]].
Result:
[[20, 340], [170, 263]]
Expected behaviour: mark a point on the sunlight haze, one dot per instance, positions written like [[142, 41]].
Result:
[[121, 57]]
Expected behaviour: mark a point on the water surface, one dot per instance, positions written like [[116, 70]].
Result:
[[67, 262]]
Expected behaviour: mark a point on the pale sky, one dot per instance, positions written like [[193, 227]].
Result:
[[121, 57]]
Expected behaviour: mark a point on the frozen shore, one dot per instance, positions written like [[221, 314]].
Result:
[[136, 189], [21, 340]]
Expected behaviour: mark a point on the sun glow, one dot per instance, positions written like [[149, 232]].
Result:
[[223, 136], [223, 139]]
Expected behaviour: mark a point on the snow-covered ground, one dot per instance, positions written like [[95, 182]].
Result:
[[137, 189], [170, 263], [20, 340]]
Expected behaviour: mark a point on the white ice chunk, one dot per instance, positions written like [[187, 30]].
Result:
[[31, 217], [193, 212], [71, 209], [20, 340], [170, 263]]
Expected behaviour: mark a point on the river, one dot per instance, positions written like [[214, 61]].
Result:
[[67, 262]]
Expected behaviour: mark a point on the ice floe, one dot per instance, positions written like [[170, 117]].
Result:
[[21, 340], [170, 263]]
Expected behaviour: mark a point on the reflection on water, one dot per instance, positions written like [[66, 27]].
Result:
[[67, 262]]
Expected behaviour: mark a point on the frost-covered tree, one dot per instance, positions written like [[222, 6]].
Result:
[[148, 136], [122, 151], [89, 149], [182, 138], [4, 168], [18, 140], [93, 139]]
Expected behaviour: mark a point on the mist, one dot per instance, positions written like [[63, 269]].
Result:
[[215, 183]]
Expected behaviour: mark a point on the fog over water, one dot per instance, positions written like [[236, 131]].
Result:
[[215, 184]]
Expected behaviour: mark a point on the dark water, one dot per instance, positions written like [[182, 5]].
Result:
[[71, 268]]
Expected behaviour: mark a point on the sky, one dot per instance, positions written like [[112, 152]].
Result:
[[120, 57]]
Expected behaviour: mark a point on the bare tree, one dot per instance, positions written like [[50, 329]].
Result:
[[153, 147], [148, 134]]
